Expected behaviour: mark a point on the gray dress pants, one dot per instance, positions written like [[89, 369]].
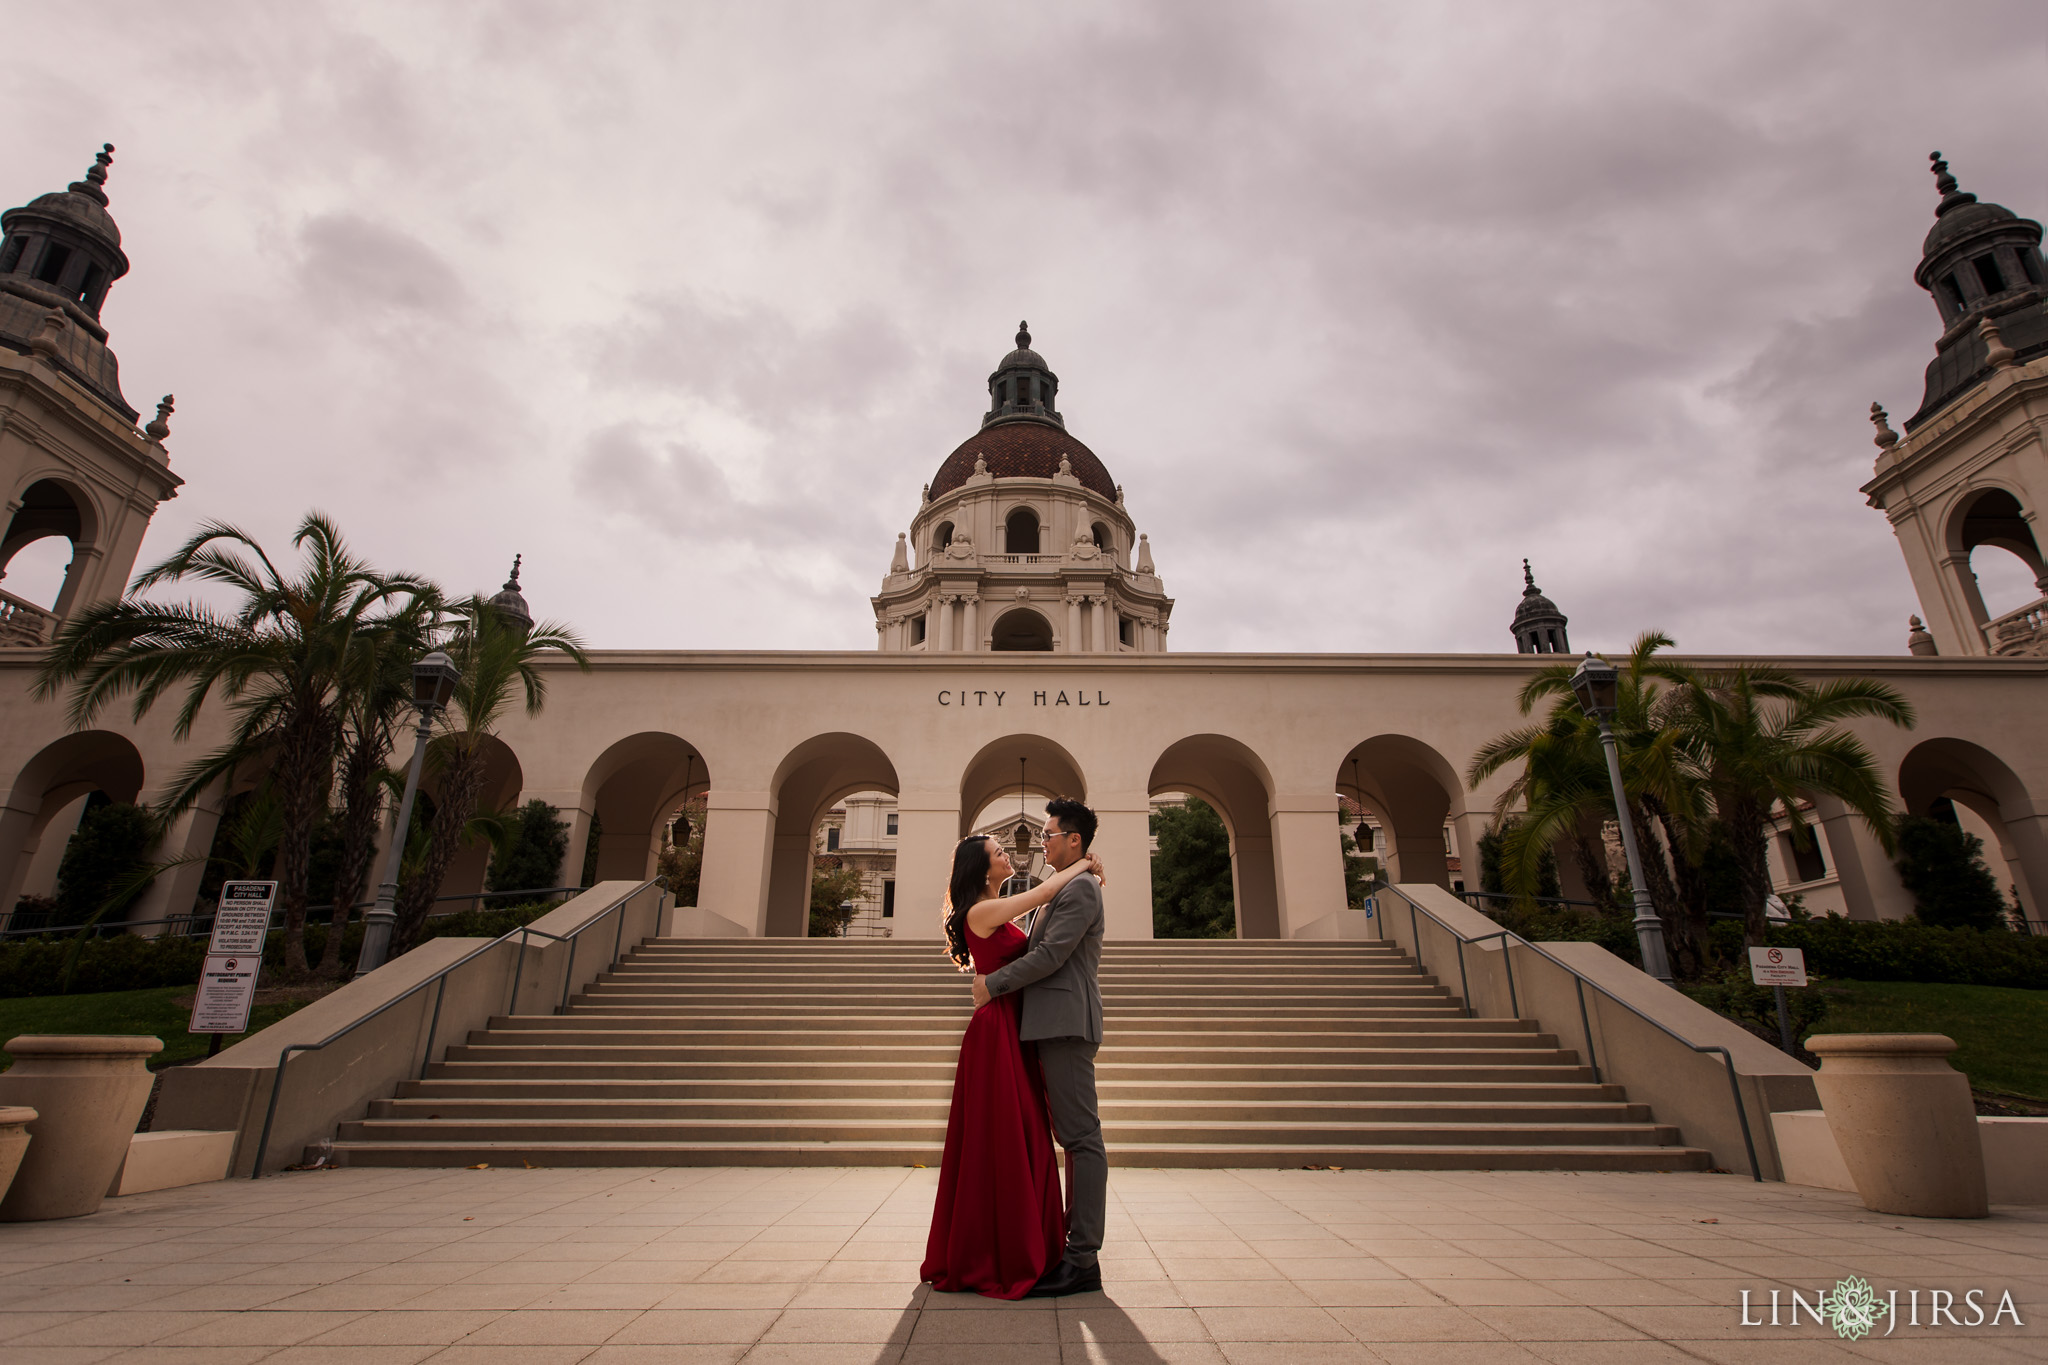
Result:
[[1069, 1068]]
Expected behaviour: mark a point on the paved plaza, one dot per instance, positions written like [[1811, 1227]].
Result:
[[819, 1266]]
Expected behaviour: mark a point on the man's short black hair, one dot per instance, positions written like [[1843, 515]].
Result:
[[1074, 818]]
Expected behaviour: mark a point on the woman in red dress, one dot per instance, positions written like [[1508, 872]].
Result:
[[999, 1222]]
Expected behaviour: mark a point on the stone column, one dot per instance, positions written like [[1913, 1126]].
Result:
[[17, 851], [1308, 859], [927, 827], [970, 635], [2027, 836], [1073, 625], [1100, 608], [1870, 882], [1973, 614], [79, 579], [1123, 838], [190, 836], [739, 837], [1252, 883]]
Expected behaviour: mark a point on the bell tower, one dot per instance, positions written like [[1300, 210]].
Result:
[[1971, 470], [72, 462]]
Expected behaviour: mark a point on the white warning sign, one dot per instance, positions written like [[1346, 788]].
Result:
[[227, 988], [1777, 966], [243, 917]]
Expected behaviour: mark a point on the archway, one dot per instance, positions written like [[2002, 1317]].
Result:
[[1233, 780], [503, 780], [1414, 794], [1011, 770], [1993, 585], [1975, 778], [1020, 532], [53, 786], [629, 795], [811, 777], [1022, 630], [47, 582]]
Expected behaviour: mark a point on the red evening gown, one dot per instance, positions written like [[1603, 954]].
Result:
[[998, 1224]]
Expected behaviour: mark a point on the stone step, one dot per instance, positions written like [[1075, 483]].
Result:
[[582, 1023], [1391, 1156], [937, 1106], [839, 1086], [1450, 1051], [861, 1038], [1108, 1072]]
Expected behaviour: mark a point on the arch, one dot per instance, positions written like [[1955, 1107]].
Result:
[[1413, 790], [629, 790], [1020, 531], [61, 772], [502, 782], [51, 506], [1048, 770], [941, 538], [811, 778], [1228, 775], [1022, 630], [1973, 776], [1991, 513], [1104, 538]]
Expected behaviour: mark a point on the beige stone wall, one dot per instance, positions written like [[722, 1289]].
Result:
[[1267, 739]]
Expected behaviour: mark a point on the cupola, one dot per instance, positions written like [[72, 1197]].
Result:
[[59, 255], [1539, 626], [1979, 261], [510, 603], [1023, 386]]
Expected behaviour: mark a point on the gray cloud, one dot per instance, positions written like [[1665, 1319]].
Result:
[[1360, 305]]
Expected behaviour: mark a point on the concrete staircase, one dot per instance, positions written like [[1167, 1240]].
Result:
[[821, 1052]]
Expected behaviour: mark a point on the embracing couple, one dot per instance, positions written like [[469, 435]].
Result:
[[1029, 1054]]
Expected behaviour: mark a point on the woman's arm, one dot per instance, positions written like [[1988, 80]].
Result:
[[984, 916]]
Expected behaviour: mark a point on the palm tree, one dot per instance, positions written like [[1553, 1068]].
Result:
[[1563, 792], [1761, 739], [283, 659], [496, 656]]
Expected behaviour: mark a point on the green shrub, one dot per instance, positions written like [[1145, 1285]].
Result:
[[111, 845], [1906, 950], [534, 858], [1755, 1007], [1567, 924]]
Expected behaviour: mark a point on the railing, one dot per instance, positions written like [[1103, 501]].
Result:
[[2023, 632], [439, 979], [23, 624], [1580, 981], [194, 925], [1022, 559]]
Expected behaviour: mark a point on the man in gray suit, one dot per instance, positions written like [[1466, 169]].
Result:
[[1062, 1018]]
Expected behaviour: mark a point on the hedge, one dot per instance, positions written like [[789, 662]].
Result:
[[1906, 950], [130, 962]]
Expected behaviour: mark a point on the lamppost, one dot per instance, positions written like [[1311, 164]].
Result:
[[1597, 684], [433, 683]]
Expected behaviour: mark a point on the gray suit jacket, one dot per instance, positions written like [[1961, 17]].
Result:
[[1058, 970]]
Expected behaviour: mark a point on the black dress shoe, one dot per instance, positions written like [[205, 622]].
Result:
[[1066, 1278]]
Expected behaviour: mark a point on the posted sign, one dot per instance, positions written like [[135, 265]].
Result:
[[234, 958], [1777, 966]]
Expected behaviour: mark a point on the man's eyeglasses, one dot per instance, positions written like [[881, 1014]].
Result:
[[1047, 836]]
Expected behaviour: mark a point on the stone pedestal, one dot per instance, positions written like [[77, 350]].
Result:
[[1904, 1122], [88, 1093], [14, 1138]]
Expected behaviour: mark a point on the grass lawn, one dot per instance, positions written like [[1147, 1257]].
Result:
[[147, 1012], [2001, 1032]]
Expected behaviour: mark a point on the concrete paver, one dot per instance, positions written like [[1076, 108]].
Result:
[[818, 1266]]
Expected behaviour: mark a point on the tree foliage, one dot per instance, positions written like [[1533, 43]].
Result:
[[532, 857], [834, 888], [1191, 887], [1941, 864], [681, 865], [103, 865]]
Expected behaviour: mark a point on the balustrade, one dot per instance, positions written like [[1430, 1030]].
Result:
[[24, 625], [2022, 633]]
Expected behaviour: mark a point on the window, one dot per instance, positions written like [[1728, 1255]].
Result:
[[1127, 631], [942, 537], [10, 254], [1952, 290], [1988, 273], [917, 630], [892, 824], [55, 258], [1104, 541], [94, 278], [1020, 532], [2030, 262], [1806, 863], [832, 839], [889, 897]]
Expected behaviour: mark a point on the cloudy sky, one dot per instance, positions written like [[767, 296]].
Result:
[[1360, 303]]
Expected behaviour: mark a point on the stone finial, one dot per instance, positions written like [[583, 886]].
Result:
[[927, 493], [1918, 641], [94, 185], [900, 561], [49, 336], [1023, 336], [160, 426], [980, 465], [512, 582], [1066, 466], [1952, 195], [1528, 578], [1145, 553], [1119, 495], [1886, 438], [1996, 352]]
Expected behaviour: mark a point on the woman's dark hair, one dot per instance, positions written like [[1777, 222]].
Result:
[[967, 885], [1074, 818]]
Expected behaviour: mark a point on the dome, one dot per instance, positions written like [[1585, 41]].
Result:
[[1023, 358], [510, 603], [1534, 606], [1961, 221], [1023, 449], [80, 210]]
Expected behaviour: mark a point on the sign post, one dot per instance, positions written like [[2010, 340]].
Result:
[[234, 959], [1779, 968]]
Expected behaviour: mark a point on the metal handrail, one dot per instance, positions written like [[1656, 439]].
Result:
[[1581, 981], [441, 977]]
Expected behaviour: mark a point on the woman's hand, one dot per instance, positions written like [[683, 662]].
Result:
[[1095, 867]]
